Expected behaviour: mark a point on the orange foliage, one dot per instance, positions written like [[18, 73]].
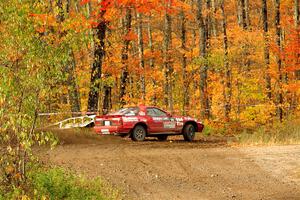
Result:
[[245, 55]]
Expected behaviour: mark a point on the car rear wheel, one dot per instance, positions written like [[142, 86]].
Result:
[[162, 137], [138, 133], [189, 132]]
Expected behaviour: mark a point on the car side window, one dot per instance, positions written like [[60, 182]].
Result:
[[151, 112], [154, 112], [159, 113], [132, 112]]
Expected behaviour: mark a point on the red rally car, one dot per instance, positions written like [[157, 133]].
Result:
[[146, 121]]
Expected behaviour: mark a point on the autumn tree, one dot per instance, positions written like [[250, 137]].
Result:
[[99, 51], [243, 13], [183, 37], [151, 60], [266, 47], [168, 69], [126, 23], [29, 63], [70, 68], [227, 69], [203, 44], [141, 54], [278, 60], [296, 15]]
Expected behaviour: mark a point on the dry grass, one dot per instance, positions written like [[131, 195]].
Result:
[[281, 133]]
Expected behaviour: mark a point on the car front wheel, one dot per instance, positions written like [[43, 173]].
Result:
[[138, 133], [189, 132]]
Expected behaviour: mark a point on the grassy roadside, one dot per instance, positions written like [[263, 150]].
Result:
[[235, 133], [280, 133], [57, 183]]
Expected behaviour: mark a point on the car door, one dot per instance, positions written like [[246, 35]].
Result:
[[169, 123], [155, 123], [161, 122]]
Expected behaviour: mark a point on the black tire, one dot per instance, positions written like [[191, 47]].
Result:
[[138, 133], [162, 137], [189, 132]]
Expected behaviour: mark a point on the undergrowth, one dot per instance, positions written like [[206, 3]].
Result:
[[57, 183]]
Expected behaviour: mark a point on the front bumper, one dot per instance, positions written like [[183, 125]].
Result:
[[200, 127]]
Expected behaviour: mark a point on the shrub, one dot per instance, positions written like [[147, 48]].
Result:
[[57, 183], [60, 184]]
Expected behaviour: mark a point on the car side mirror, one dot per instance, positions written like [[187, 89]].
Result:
[[169, 114]]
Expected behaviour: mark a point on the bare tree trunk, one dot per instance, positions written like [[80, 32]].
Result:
[[228, 89], [107, 105], [184, 63], [107, 99], [213, 20], [247, 14], [73, 90], [68, 6], [208, 21], [296, 15], [99, 53], [295, 100], [194, 36], [32, 129], [266, 47], [205, 111], [141, 54], [239, 13], [243, 24], [297, 24], [151, 61], [125, 50], [242, 13], [167, 65], [194, 82], [278, 59], [244, 17]]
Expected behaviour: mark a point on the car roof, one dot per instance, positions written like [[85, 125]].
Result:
[[143, 107]]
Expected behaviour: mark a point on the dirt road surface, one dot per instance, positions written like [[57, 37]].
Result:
[[205, 169]]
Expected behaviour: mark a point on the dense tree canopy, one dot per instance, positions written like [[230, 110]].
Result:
[[215, 59]]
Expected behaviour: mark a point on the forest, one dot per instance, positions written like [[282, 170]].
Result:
[[235, 64], [216, 60]]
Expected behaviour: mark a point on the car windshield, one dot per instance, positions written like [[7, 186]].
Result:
[[132, 111]]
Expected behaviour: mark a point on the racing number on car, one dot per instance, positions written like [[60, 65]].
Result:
[[169, 124]]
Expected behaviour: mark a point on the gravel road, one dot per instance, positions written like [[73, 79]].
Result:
[[205, 169]]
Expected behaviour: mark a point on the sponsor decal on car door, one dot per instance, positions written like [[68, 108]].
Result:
[[155, 124], [169, 125]]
